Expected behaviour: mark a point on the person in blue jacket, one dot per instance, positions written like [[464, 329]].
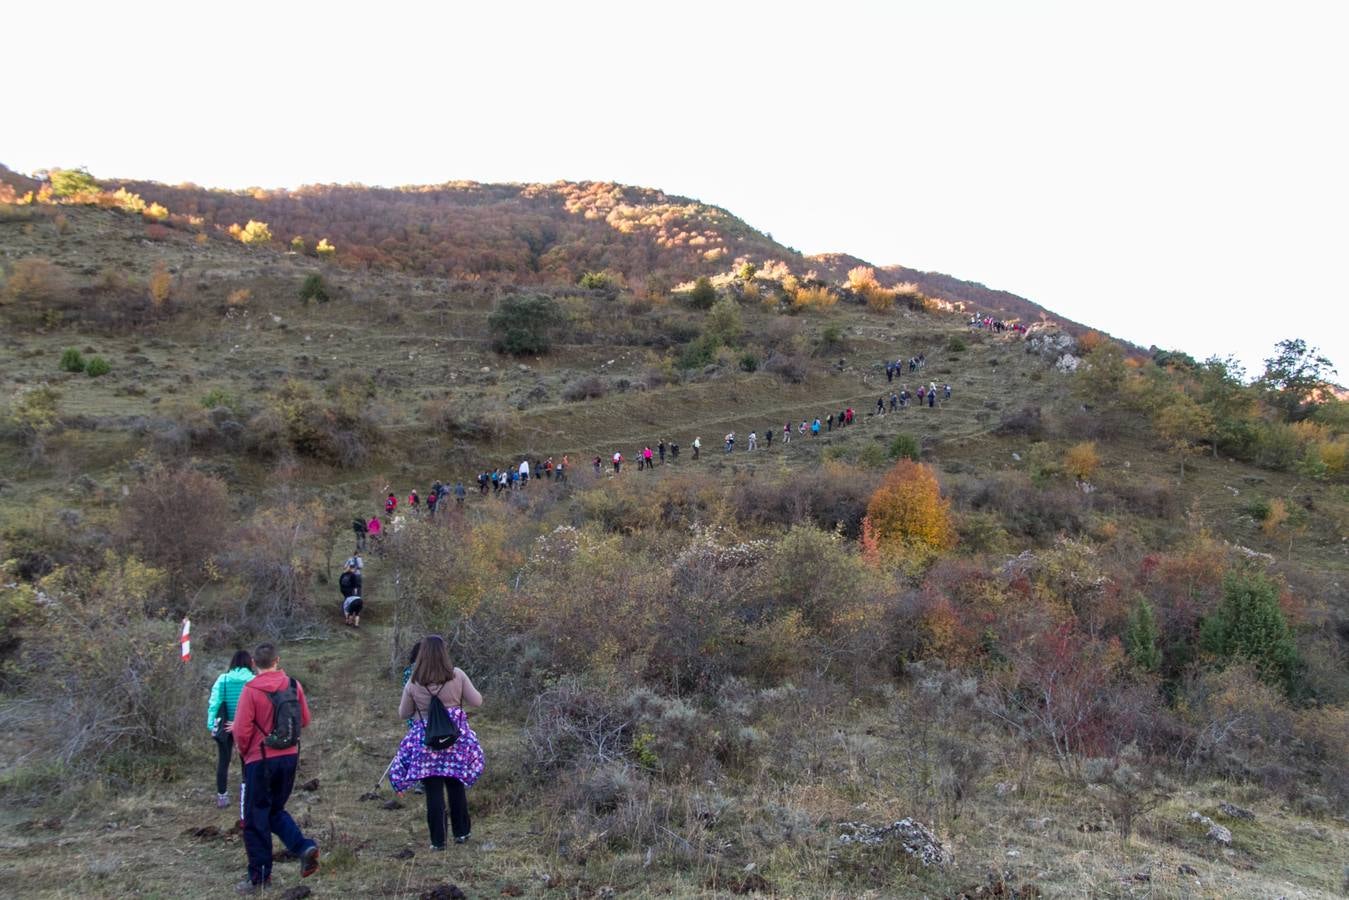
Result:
[[220, 718]]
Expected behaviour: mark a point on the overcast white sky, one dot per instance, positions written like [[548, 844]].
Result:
[[1174, 173]]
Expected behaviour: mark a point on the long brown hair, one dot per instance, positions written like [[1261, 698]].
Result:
[[433, 664]]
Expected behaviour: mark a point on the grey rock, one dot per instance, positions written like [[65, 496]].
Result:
[[914, 838], [1232, 811]]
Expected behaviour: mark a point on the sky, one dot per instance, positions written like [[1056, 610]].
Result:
[[1172, 173]]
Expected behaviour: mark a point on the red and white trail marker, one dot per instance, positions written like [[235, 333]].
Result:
[[185, 641]]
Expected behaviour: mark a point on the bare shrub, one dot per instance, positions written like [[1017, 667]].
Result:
[[176, 519], [273, 559], [462, 418], [107, 693], [1038, 513], [1026, 422], [790, 367], [591, 387]]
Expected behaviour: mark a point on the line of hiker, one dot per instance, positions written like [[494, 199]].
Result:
[[259, 712], [895, 368]]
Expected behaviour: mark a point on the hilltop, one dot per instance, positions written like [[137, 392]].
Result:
[[1085, 619], [535, 234]]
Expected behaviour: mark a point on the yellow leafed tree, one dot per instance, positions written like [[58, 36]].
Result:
[[907, 514]]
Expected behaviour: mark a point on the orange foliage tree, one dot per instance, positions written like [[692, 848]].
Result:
[[907, 514]]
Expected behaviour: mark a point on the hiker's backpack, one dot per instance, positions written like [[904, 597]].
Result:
[[285, 731], [441, 732]]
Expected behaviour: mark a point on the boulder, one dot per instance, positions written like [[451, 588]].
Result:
[[914, 838], [1067, 363], [1232, 811], [1215, 832]]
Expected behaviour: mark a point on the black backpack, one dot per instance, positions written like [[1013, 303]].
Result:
[[285, 731], [441, 732]]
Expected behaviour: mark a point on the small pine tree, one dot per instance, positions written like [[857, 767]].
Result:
[[1140, 639], [703, 294], [97, 366], [904, 446], [72, 360], [1249, 626], [314, 289]]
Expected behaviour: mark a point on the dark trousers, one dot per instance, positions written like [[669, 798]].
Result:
[[267, 786], [436, 791], [225, 748]]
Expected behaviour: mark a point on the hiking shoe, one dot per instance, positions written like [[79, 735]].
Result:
[[222, 801], [248, 886], [438, 848], [462, 839], [309, 861]]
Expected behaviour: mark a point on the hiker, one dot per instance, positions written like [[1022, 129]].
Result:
[[524, 473], [562, 467], [889, 372], [768, 437], [880, 406], [432, 500], [697, 446], [815, 427], [220, 720], [459, 493], [753, 440], [414, 502], [786, 432], [357, 564], [948, 392], [599, 465], [802, 429], [267, 726], [390, 504], [373, 527], [660, 449], [730, 441], [894, 401], [437, 687], [829, 423], [358, 527], [646, 455], [618, 462], [931, 399], [548, 468], [349, 583]]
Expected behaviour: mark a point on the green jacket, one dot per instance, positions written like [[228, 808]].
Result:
[[227, 689]]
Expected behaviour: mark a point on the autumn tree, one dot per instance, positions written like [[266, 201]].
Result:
[[297, 244], [324, 249], [1184, 423], [1080, 460], [254, 233], [1103, 375], [161, 284], [72, 182], [907, 514], [32, 279], [35, 413], [155, 212], [723, 322]]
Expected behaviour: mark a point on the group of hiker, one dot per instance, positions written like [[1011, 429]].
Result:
[[996, 325], [258, 713], [897, 366]]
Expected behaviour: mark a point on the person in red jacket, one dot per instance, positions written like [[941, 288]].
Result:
[[269, 774], [390, 504]]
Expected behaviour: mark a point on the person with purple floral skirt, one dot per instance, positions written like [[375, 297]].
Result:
[[445, 774]]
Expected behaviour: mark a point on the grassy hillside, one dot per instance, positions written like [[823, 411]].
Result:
[[768, 671]]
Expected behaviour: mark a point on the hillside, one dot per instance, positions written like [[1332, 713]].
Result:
[[533, 234], [1017, 616]]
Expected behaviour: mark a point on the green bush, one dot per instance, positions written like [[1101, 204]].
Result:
[[956, 344], [219, 397], [904, 446], [97, 366], [1248, 626], [72, 360], [699, 353], [703, 294], [524, 323], [749, 362], [873, 456], [596, 281], [314, 289]]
